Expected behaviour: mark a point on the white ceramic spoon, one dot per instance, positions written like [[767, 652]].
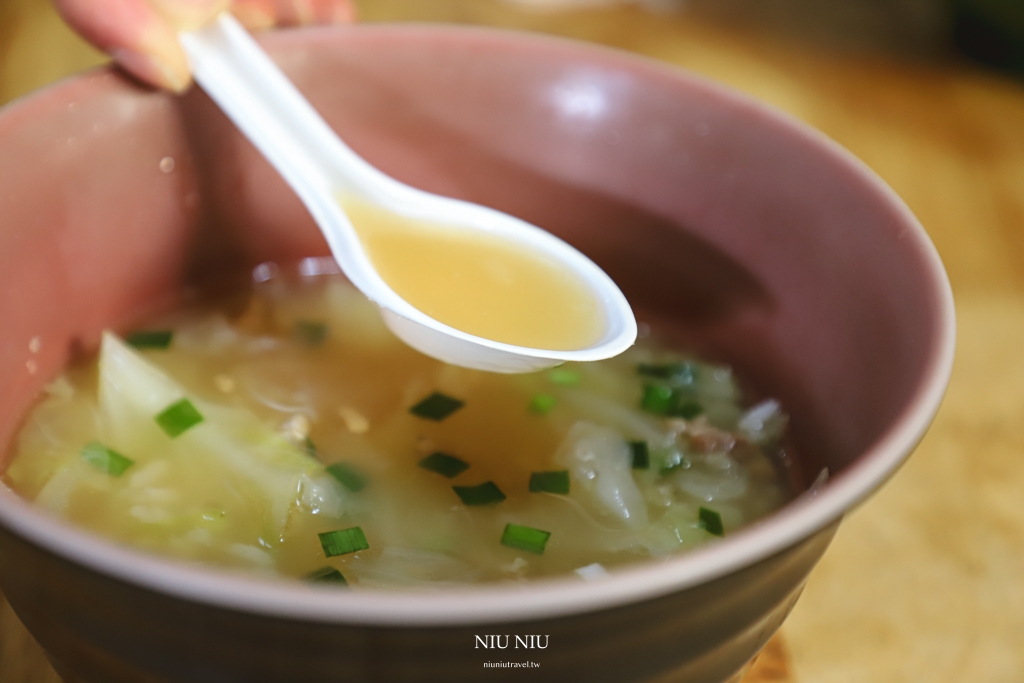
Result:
[[243, 81]]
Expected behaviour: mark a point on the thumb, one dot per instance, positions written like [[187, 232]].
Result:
[[138, 37]]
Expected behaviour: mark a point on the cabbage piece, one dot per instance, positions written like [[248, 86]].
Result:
[[717, 391], [53, 432], [611, 412], [764, 424], [56, 494], [676, 528], [600, 464], [131, 392], [710, 486], [230, 441], [209, 334]]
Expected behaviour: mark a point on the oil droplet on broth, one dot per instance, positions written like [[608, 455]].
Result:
[[478, 283]]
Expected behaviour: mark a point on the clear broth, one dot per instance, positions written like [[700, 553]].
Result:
[[310, 358]]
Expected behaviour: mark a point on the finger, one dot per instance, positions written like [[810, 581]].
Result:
[[261, 14], [320, 11], [135, 35], [188, 15], [256, 15]]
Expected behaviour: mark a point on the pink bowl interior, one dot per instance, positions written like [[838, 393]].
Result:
[[747, 236]]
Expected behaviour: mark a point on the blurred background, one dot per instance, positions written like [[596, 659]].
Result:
[[36, 49], [925, 583]]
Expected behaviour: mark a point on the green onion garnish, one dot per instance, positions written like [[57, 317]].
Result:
[[641, 455], [550, 482], [657, 399], [343, 542], [687, 410], [542, 404], [486, 493], [436, 407], [311, 332], [525, 538], [347, 477], [677, 373], [444, 464], [178, 418], [326, 575], [564, 376], [150, 339], [711, 522], [310, 447], [107, 459], [663, 400]]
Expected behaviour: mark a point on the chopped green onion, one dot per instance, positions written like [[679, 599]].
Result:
[[687, 410], [326, 575], [486, 493], [150, 339], [565, 377], [107, 459], [347, 477], [525, 538], [444, 464], [178, 418], [641, 455], [343, 541], [657, 399], [677, 373], [311, 332], [550, 482], [671, 460], [311, 447], [542, 404], [655, 370], [664, 400], [711, 522], [436, 407]]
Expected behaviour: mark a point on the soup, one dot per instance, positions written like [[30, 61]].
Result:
[[479, 283], [301, 439]]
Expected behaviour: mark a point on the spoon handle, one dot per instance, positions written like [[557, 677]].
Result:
[[267, 107], [270, 111]]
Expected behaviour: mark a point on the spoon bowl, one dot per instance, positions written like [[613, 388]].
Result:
[[261, 101]]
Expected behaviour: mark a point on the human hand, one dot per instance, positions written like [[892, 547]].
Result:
[[141, 35]]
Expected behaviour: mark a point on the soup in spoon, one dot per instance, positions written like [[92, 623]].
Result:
[[479, 283]]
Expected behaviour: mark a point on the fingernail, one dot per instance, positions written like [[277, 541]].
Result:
[[153, 70], [188, 15]]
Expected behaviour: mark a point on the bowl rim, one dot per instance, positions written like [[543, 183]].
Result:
[[544, 598]]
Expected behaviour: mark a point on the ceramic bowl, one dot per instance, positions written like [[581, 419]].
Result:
[[757, 240]]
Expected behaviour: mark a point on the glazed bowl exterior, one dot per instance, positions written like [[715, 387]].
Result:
[[738, 231]]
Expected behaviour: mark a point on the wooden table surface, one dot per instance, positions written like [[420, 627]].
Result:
[[926, 581]]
